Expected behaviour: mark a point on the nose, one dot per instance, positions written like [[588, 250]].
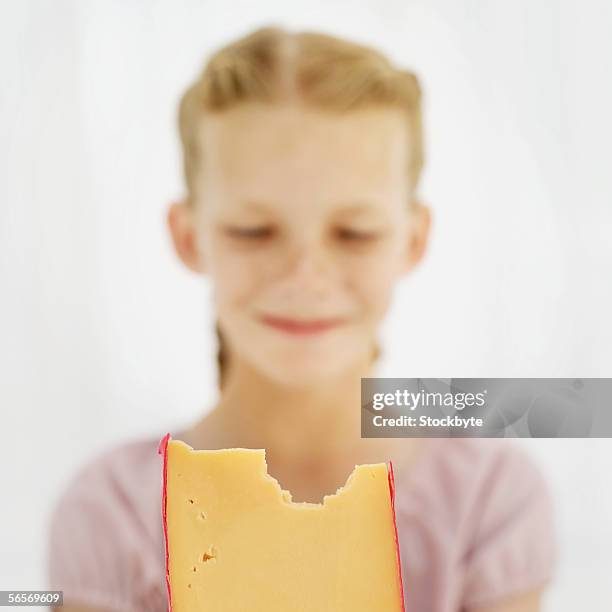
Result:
[[307, 266]]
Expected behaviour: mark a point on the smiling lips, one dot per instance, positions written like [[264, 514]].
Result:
[[297, 327]]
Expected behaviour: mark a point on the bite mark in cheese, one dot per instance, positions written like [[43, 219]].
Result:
[[236, 542]]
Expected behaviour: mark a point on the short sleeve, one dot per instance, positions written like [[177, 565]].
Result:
[[513, 545], [88, 546]]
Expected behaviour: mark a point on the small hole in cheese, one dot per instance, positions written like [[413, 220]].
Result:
[[202, 515], [210, 554], [191, 501]]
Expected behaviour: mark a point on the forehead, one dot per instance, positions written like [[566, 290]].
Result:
[[267, 147]]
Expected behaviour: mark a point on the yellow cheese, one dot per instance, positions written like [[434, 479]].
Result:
[[236, 542]]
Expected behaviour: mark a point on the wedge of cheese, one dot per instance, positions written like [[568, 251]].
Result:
[[236, 542]]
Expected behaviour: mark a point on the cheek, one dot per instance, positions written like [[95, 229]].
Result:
[[373, 279], [235, 276]]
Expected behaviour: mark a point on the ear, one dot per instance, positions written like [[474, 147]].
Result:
[[418, 236], [181, 223]]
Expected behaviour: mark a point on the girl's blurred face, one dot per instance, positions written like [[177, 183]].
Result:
[[302, 221]]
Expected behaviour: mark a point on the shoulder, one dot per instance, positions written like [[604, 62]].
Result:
[[105, 539], [117, 490], [130, 456], [483, 506], [464, 472], [112, 486], [496, 477], [120, 469]]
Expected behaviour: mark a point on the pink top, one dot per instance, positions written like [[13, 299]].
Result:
[[474, 522]]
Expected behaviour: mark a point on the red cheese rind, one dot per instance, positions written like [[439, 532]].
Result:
[[163, 450], [397, 548]]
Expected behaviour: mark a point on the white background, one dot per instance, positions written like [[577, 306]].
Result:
[[104, 337]]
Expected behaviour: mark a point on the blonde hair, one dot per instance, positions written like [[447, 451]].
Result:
[[274, 65]]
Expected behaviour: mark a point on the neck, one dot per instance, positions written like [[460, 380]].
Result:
[[290, 422]]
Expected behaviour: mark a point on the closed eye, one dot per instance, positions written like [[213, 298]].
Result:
[[256, 233], [351, 235]]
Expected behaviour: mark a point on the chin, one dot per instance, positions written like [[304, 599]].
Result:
[[301, 368], [300, 377]]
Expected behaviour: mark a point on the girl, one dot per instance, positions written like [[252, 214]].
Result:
[[302, 154]]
